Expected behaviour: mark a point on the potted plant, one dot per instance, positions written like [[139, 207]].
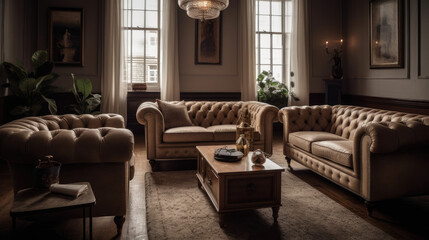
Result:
[[274, 92], [31, 89], [86, 102]]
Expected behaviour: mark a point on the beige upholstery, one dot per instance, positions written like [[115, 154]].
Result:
[[380, 157], [214, 124], [304, 139], [336, 151], [95, 149]]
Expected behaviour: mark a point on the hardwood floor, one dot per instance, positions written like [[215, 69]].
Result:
[[403, 219]]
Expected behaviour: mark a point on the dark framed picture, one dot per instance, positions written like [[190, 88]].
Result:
[[208, 41], [66, 36], [386, 36]]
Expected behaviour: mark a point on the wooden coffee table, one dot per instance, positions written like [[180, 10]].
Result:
[[235, 186]]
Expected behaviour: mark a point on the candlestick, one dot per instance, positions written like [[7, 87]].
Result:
[[341, 42]]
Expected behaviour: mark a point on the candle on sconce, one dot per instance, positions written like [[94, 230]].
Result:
[[326, 44], [341, 42]]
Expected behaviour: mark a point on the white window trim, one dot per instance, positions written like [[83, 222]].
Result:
[[149, 86]]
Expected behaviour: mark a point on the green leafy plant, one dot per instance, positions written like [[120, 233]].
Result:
[[86, 102], [31, 89], [272, 91]]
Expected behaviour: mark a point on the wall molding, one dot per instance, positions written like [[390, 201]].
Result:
[[393, 104]]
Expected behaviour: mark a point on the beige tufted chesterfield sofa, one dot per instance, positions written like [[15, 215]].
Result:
[[95, 149], [376, 154], [214, 124]]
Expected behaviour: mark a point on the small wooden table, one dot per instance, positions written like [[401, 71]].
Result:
[[235, 186], [35, 201]]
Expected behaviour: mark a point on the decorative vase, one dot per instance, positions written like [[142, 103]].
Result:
[[47, 172], [244, 127], [242, 145], [337, 70], [258, 157]]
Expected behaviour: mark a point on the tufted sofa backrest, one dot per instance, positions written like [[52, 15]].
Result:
[[207, 113], [346, 119], [69, 121]]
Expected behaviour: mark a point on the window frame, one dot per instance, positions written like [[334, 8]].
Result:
[[285, 65], [129, 60]]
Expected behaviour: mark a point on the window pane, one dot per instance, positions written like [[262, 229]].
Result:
[[277, 72], [276, 23], [277, 41], [265, 68], [288, 24], [277, 56], [138, 43], [151, 4], [264, 24], [288, 8], [138, 4], [265, 41], [276, 8], [264, 7], [151, 44], [127, 18], [265, 56], [138, 19], [151, 19]]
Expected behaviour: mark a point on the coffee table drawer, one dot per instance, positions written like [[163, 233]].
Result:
[[212, 181], [250, 190]]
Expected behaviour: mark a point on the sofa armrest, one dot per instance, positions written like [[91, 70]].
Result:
[[304, 118], [149, 115], [79, 145], [393, 136], [263, 116]]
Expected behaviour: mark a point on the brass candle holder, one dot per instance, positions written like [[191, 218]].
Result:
[[244, 127]]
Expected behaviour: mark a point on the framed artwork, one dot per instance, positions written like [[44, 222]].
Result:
[[66, 36], [386, 36], [208, 41]]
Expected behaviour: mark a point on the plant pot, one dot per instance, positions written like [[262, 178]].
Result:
[[46, 173]]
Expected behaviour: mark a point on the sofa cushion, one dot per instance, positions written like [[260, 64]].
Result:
[[340, 152], [175, 114], [188, 134], [227, 132], [304, 139]]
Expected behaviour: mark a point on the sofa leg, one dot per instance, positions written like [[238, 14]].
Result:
[[153, 165], [288, 160], [119, 221], [369, 207]]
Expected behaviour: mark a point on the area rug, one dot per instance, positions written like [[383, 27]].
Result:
[[177, 209]]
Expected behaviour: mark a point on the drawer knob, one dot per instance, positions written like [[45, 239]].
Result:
[[250, 188]]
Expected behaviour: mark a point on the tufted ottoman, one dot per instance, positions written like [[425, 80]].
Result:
[[96, 149], [376, 154], [214, 123]]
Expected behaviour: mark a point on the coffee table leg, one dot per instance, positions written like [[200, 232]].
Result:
[[199, 183], [221, 219], [276, 213], [90, 222], [84, 224]]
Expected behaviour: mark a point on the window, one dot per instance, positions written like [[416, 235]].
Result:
[[273, 36], [142, 20]]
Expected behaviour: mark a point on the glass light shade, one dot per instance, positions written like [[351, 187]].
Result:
[[203, 9]]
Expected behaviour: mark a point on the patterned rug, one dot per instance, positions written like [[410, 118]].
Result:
[[177, 209]]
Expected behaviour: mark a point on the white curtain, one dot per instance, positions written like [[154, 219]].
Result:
[[299, 54], [170, 88], [246, 16], [114, 84]]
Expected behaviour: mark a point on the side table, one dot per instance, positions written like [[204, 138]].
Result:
[[36, 201], [333, 91]]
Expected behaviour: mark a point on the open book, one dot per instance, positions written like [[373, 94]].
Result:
[[74, 190]]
